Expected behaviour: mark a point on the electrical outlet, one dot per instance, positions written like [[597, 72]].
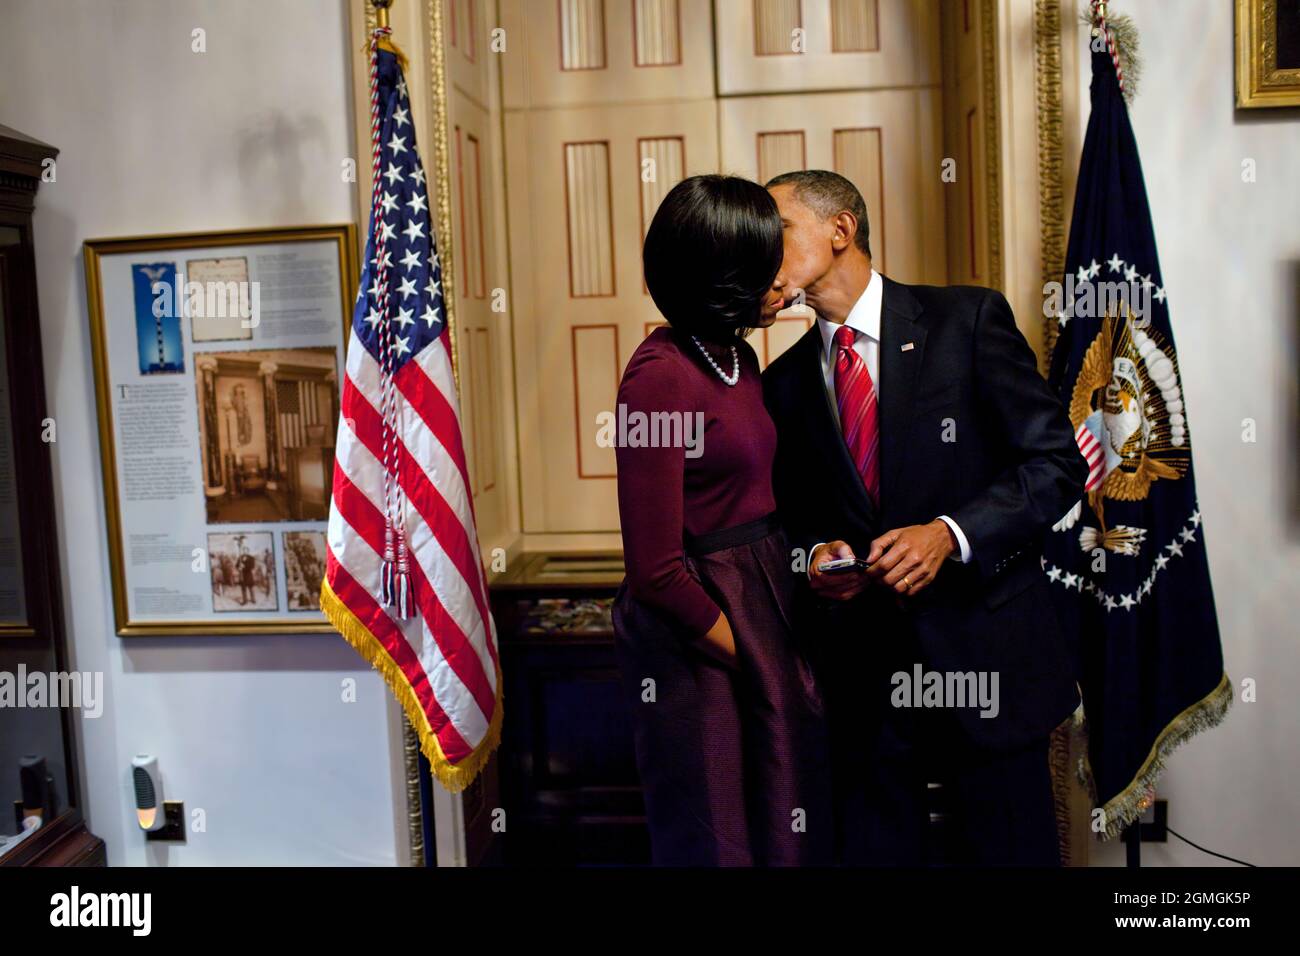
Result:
[[173, 828], [1155, 823]]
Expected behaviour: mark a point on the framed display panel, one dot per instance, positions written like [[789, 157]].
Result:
[[218, 362]]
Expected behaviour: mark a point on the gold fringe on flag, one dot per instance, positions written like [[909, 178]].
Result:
[[1130, 803], [391, 47], [454, 776]]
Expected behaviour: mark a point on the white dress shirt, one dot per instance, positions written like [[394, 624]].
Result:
[[864, 320]]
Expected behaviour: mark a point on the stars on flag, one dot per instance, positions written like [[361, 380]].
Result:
[[1129, 272], [409, 261], [1081, 582]]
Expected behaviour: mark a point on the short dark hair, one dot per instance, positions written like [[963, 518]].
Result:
[[711, 253], [829, 194]]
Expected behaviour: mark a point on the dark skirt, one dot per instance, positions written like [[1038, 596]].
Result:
[[733, 761]]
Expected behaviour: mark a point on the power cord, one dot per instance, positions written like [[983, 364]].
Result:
[[1221, 856]]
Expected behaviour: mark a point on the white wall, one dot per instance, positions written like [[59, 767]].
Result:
[[155, 139], [1230, 253]]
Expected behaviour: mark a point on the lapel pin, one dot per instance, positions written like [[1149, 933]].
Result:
[[907, 347]]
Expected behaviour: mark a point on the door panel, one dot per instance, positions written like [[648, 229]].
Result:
[[886, 142], [845, 44], [588, 182]]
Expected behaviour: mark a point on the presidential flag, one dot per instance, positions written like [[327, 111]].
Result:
[[404, 581], [1127, 564]]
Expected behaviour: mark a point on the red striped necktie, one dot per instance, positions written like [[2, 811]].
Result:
[[855, 394]]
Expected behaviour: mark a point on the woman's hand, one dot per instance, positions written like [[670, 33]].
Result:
[[719, 643]]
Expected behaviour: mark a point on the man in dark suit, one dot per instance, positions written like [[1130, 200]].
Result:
[[915, 431]]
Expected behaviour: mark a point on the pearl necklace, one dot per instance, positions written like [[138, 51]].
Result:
[[735, 363]]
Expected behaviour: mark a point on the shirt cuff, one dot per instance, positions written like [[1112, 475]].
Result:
[[810, 554], [962, 543]]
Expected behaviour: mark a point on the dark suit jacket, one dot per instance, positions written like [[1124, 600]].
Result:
[[970, 429]]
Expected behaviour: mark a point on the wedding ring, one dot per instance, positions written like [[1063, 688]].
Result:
[[906, 583]]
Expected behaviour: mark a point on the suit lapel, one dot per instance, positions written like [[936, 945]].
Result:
[[823, 426], [902, 348]]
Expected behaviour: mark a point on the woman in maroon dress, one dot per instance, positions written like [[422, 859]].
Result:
[[727, 717]]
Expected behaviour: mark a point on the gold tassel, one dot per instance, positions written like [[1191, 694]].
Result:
[[454, 776]]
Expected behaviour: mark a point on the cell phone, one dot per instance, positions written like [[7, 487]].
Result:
[[841, 565]]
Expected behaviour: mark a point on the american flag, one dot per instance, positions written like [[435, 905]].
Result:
[[1127, 565], [404, 581]]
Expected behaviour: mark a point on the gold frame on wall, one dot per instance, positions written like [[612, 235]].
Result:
[[1260, 84], [344, 236], [992, 141], [1065, 743], [1051, 148]]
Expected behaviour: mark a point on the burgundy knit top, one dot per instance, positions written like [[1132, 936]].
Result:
[[724, 480]]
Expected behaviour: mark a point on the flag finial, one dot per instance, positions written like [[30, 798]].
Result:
[[1121, 41]]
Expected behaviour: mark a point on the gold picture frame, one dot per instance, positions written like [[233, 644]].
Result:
[[1260, 81], [113, 324]]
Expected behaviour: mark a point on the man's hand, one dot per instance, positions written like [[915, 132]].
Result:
[[837, 587], [907, 559]]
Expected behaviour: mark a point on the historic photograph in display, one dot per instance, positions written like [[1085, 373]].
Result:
[[243, 571], [304, 568], [218, 359], [267, 421]]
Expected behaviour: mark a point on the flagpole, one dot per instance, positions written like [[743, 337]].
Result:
[[1132, 834], [421, 854]]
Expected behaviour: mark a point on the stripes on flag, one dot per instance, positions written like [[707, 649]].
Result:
[[1094, 454]]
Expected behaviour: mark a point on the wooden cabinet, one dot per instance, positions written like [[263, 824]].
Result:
[[566, 765], [38, 767]]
